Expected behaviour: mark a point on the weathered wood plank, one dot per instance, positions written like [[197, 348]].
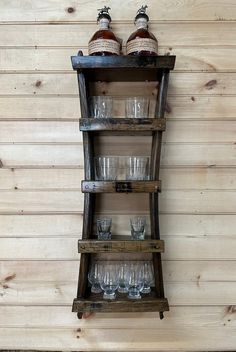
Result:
[[58, 11], [69, 225], [188, 247], [40, 107], [119, 339], [173, 201], [127, 245], [187, 83], [207, 59], [173, 270], [120, 186], [66, 179]]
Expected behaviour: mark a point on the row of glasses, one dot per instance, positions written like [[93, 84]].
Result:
[[102, 107], [118, 167], [137, 225], [131, 278]]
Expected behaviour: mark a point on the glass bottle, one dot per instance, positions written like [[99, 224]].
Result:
[[142, 42], [104, 42]]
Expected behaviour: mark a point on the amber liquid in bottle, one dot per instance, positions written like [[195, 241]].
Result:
[[142, 42], [104, 42]]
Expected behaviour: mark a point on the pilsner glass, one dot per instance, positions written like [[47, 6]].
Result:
[[147, 277], [110, 281], [123, 277], [135, 281], [95, 276]]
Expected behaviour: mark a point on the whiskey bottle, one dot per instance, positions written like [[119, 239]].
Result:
[[104, 42], [142, 42]]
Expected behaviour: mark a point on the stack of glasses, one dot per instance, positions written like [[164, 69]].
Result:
[[110, 168], [131, 278]]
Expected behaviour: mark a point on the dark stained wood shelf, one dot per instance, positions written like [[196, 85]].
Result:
[[122, 124], [124, 244], [122, 68], [120, 186], [95, 303]]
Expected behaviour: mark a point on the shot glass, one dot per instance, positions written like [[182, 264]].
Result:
[[138, 225], [104, 228], [137, 168], [110, 281], [137, 107], [106, 167], [101, 106]]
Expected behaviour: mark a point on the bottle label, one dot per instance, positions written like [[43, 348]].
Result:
[[141, 44], [101, 45]]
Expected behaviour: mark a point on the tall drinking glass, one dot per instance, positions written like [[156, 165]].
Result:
[[135, 281], [110, 281], [95, 277], [123, 277]]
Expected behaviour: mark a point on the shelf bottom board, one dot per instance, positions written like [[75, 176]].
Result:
[[95, 303]]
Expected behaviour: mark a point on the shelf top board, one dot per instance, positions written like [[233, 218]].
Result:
[[122, 68]]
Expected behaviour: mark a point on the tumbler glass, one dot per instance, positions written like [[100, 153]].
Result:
[[101, 106], [106, 167], [110, 281], [95, 277], [138, 225], [123, 277], [137, 107], [135, 281], [137, 168], [104, 228]]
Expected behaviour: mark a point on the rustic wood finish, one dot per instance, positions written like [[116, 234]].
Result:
[[120, 186], [135, 69], [121, 304], [125, 245], [122, 124]]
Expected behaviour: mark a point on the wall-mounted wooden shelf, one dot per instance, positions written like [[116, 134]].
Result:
[[125, 245], [91, 69], [120, 186], [122, 124]]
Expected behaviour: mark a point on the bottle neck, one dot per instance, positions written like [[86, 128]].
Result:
[[104, 23], [141, 23]]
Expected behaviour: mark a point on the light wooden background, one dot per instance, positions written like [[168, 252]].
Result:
[[41, 168]]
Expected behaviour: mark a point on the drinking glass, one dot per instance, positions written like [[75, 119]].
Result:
[[104, 228], [110, 281], [95, 277], [101, 106], [147, 277], [123, 277], [135, 281], [106, 167], [137, 168], [137, 107], [138, 225]]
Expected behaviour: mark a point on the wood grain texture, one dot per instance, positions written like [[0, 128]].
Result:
[[121, 186]]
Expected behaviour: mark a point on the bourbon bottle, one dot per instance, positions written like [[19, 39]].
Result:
[[104, 42], [142, 42]]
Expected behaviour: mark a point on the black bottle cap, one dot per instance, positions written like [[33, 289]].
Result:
[[142, 13], [104, 13]]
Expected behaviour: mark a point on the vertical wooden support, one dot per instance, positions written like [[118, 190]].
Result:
[[154, 175], [89, 199]]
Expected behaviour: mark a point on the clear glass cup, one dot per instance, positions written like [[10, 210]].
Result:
[[123, 277], [138, 225], [137, 168], [147, 277], [135, 281], [101, 106], [104, 228], [136, 107], [110, 281], [106, 167], [95, 276]]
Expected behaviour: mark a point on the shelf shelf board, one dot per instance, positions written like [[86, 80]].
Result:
[[95, 303], [122, 124], [121, 186], [122, 68], [120, 244]]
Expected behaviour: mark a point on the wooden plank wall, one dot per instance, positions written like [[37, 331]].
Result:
[[41, 166]]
